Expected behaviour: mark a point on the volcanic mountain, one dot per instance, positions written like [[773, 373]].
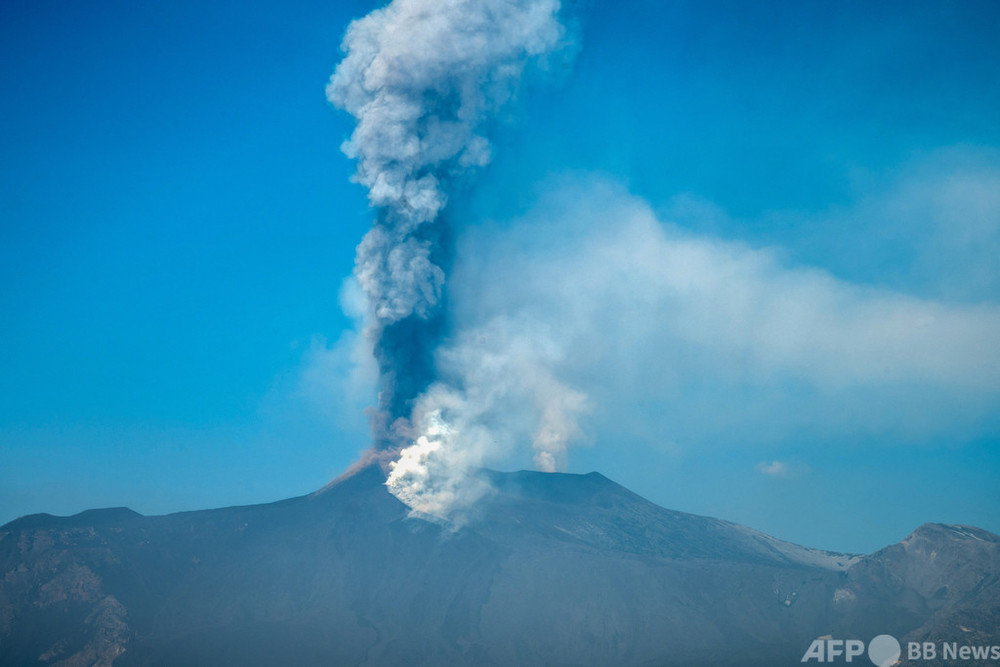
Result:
[[552, 569]]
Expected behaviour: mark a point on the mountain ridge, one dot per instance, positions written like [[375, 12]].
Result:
[[553, 569]]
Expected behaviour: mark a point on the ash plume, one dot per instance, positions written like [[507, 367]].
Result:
[[423, 78]]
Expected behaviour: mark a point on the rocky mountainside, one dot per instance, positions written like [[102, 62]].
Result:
[[552, 569]]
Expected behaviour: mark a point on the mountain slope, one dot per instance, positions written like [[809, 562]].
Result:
[[551, 569]]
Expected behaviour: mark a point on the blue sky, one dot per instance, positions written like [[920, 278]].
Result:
[[176, 222]]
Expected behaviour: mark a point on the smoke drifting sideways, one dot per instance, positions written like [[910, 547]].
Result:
[[423, 78]]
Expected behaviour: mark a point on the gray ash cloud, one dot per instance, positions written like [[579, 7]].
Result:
[[422, 78]]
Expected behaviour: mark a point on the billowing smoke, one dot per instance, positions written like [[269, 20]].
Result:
[[498, 389], [423, 78]]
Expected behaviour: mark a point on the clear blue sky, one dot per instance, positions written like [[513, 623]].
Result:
[[176, 221]]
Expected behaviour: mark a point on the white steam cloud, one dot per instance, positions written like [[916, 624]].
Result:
[[498, 390]]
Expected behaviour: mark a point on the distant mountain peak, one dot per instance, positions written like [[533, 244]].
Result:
[[944, 531], [84, 518]]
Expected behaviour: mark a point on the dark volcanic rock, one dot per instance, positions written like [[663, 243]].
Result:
[[552, 569]]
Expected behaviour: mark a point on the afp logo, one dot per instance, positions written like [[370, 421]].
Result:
[[883, 651]]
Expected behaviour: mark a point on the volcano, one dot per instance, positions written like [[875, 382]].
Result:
[[552, 569]]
